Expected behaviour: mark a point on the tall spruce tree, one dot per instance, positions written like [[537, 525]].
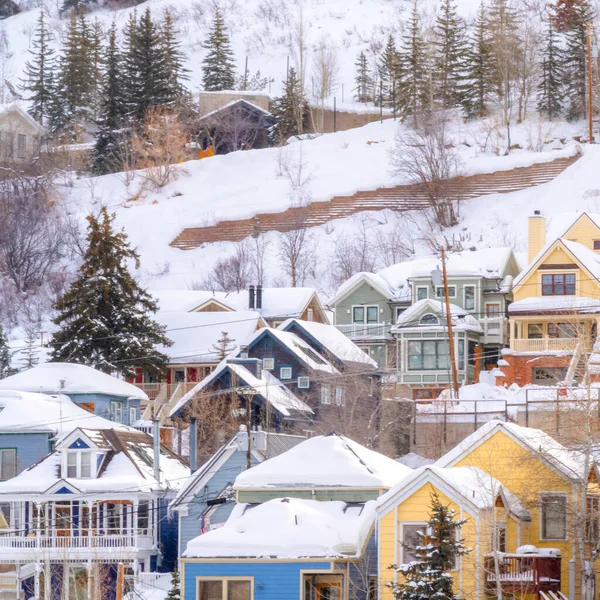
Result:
[[96, 51], [478, 72], [434, 555], [290, 110], [105, 316], [550, 91], [5, 355], [174, 59], [414, 95], [390, 71], [175, 591], [111, 134], [451, 55], [218, 67], [38, 81], [363, 79], [582, 15]]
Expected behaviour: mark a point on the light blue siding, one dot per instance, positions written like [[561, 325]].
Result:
[[102, 404], [190, 526], [272, 581], [31, 447]]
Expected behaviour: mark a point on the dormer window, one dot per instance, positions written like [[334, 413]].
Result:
[[429, 319], [79, 465]]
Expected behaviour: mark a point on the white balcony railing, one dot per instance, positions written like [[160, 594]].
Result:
[[544, 344], [365, 329], [495, 330], [35, 542]]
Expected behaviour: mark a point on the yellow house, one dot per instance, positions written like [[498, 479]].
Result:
[[521, 493], [556, 308]]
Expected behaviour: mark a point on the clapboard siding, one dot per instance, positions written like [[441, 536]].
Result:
[[102, 402], [31, 447], [272, 581], [363, 295]]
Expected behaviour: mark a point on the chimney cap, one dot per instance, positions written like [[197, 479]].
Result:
[[537, 213]]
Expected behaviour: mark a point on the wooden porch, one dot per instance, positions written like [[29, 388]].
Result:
[[522, 573]]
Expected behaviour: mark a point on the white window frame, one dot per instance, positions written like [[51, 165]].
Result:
[[268, 364], [303, 382], [441, 287], [133, 415], [421, 287], [78, 464], [474, 288], [340, 396], [310, 314], [366, 310], [21, 147], [116, 409], [427, 532], [225, 580], [541, 516], [281, 373], [325, 398], [14, 451]]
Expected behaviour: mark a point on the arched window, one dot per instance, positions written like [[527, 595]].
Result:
[[429, 319]]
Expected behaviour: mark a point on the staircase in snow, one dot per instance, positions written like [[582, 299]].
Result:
[[399, 198]]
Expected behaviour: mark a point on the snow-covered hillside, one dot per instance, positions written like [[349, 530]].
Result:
[[260, 30]]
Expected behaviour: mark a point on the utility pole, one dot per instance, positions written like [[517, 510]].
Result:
[[120, 581], [590, 84], [449, 325], [248, 393]]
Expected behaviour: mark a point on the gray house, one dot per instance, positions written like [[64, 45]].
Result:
[[479, 282], [206, 500]]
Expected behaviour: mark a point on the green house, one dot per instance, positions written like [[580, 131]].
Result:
[[368, 305]]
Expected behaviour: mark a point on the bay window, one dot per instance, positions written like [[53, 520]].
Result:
[[428, 355]]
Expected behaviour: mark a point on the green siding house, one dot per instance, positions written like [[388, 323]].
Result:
[[368, 306]]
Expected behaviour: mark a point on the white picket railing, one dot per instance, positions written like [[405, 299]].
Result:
[[544, 344], [59, 542], [153, 581], [365, 329]]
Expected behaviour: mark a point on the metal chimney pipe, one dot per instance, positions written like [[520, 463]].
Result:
[[259, 292], [156, 445], [251, 297], [194, 444]]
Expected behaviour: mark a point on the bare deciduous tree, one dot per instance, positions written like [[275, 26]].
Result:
[[323, 80], [425, 156], [231, 274]]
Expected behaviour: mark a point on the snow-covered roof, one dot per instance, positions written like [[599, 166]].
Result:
[[567, 461], [331, 338], [297, 346], [267, 385], [277, 303], [555, 303], [5, 109], [413, 460], [58, 415], [241, 101], [195, 335], [128, 466], [461, 319], [70, 378], [289, 528], [394, 282], [324, 461], [275, 444], [474, 485]]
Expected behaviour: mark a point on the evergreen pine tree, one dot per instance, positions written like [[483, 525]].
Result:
[[550, 91], [223, 346], [30, 356], [38, 71], [478, 69], [175, 591], [5, 355], [414, 95], [451, 55], [110, 137], [151, 81], [174, 58], [96, 52], [390, 70], [8, 8], [218, 67], [290, 110], [363, 79], [129, 66], [435, 553], [575, 60], [74, 82], [104, 317]]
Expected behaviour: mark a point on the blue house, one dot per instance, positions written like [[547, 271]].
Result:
[[31, 424], [99, 499], [206, 500], [302, 528], [97, 392]]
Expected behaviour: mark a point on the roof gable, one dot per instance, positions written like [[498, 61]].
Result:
[[212, 305], [372, 280], [582, 227]]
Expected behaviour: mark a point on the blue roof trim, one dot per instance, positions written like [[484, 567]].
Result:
[[64, 490], [78, 444]]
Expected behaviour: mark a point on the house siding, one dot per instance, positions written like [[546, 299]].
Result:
[[364, 295], [31, 447], [272, 580], [101, 403]]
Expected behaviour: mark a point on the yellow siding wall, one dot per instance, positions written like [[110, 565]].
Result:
[[531, 286], [584, 231], [416, 508], [526, 476]]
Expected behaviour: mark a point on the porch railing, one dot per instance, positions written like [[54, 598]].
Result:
[[34, 541], [523, 573], [365, 329], [544, 344], [495, 329]]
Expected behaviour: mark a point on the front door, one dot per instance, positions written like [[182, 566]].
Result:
[[329, 591]]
